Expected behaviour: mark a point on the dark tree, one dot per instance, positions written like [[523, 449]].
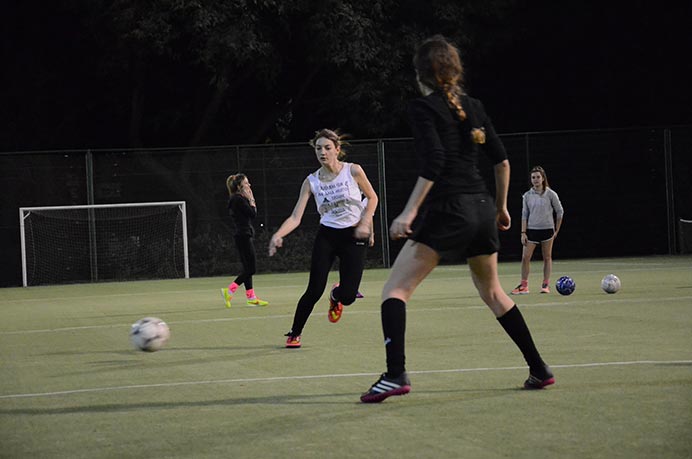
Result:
[[96, 73]]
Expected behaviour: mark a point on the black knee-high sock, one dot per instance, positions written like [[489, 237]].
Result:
[[394, 328], [515, 326]]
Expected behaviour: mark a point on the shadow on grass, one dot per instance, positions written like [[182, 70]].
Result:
[[316, 399], [132, 358], [168, 350]]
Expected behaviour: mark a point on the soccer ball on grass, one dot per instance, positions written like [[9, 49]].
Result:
[[611, 283], [565, 285], [149, 334]]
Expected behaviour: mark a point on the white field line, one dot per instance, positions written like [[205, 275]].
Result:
[[327, 376], [214, 291], [121, 325], [352, 311]]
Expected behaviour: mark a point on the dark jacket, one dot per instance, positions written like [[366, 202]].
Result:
[[447, 155], [243, 213]]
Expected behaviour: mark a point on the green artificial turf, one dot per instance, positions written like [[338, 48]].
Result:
[[224, 386]]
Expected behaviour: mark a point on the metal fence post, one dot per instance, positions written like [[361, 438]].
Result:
[[670, 187], [528, 154], [93, 253], [383, 203]]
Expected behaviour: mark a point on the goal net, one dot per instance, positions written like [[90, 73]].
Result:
[[105, 242], [685, 236]]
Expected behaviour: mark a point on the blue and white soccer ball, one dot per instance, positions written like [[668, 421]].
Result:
[[565, 285], [149, 334], [611, 283]]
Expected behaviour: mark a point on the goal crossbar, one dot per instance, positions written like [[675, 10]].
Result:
[[97, 206]]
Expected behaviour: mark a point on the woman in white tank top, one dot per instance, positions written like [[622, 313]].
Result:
[[346, 225]]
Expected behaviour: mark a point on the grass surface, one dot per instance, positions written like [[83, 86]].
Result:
[[224, 386]]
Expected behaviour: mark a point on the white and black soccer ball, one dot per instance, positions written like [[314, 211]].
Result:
[[149, 334], [611, 283]]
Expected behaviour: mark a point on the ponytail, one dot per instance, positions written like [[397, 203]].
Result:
[[233, 183], [452, 92], [438, 65]]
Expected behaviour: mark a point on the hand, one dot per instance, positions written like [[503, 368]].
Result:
[[362, 231], [524, 239], [246, 191], [275, 243], [401, 226], [371, 240], [504, 221]]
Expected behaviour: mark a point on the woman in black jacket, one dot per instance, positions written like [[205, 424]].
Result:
[[242, 207], [450, 213]]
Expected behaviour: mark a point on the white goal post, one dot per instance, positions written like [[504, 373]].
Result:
[[103, 242]]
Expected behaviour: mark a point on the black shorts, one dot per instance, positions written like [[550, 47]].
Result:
[[459, 227], [537, 236]]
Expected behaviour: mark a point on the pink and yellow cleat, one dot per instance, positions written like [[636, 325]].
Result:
[[256, 302], [227, 297]]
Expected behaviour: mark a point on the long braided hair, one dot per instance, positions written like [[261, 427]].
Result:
[[438, 65]]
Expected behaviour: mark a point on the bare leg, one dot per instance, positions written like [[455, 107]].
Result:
[[526, 254], [547, 251], [484, 274], [485, 278], [412, 265]]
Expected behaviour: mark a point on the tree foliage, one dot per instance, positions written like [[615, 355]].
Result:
[[192, 72]]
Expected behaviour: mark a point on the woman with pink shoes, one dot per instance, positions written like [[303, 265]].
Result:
[[541, 219], [242, 207]]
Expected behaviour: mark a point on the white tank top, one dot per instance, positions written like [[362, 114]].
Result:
[[338, 200]]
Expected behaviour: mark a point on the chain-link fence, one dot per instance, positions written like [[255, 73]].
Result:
[[624, 192]]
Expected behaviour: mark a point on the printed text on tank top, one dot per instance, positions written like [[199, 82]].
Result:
[[338, 200]]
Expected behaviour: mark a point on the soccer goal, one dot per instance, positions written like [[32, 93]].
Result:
[[685, 236], [103, 242]]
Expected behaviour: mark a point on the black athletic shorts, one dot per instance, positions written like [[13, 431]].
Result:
[[459, 227], [537, 236]]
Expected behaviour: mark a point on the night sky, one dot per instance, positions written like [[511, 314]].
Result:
[[585, 66]]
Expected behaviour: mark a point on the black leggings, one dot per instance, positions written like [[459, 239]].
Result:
[[246, 250], [331, 243]]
